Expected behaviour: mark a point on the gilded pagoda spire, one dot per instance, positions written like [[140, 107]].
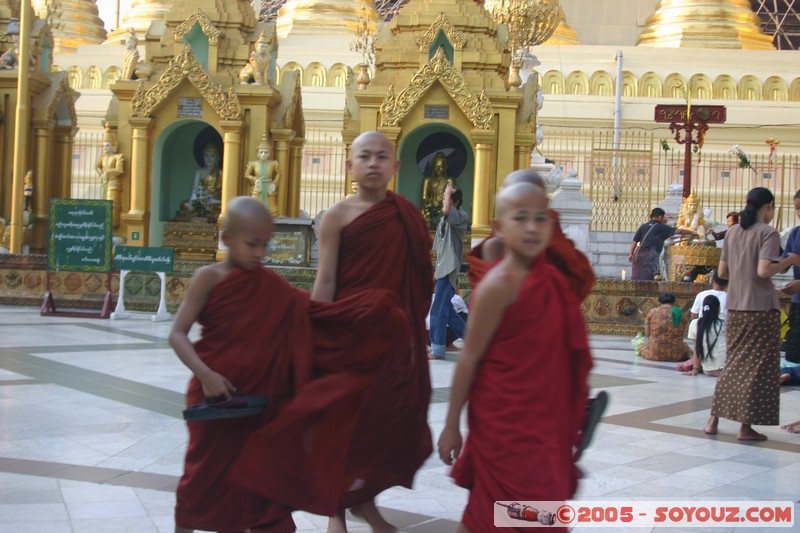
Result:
[[704, 24], [77, 22], [139, 17], [323, 15]]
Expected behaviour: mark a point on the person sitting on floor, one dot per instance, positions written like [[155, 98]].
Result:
[[665, 331], [709, 341]]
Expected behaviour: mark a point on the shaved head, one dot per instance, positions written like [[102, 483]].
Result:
[[513, 194], [372, 136], [243, 211], [526, 175]]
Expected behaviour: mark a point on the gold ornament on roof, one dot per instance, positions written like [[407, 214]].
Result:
[[477, 109], [441, 23], [206, 26], [185, 66], [530, 23]]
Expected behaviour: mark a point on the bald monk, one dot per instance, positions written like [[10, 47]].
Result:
[[241, 351], [561, 251], [523, 370]]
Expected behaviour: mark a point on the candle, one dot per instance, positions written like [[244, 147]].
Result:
[[624, 274]]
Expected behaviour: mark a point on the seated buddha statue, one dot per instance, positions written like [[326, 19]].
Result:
[[206, 196], [690, 216], [433, 189]]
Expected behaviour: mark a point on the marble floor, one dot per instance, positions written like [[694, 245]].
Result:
[[91, 438]]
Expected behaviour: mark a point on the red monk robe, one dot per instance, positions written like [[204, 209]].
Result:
[[561, 253], [527, 403], [256, 333], [366, 428]]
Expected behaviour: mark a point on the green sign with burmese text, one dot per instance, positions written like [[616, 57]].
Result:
[[143, 258], [80, 235]]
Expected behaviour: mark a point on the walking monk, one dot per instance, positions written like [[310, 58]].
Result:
[[524, 369], [561, 251], [377, 239], [245, 348]]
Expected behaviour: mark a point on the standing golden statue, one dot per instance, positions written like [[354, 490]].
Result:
[[256, 71], [264, 175], [433, 187], [110, 166]]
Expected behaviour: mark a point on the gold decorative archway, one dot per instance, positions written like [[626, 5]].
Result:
[[185, 66], [441, 23], [477, 109], [206, 25]]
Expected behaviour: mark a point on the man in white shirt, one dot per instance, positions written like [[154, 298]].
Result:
[[717, 289]]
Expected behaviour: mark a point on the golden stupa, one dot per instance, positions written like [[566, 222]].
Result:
[[141, 14], [76, 22], [564, 34], [329, 16], [704, 24]]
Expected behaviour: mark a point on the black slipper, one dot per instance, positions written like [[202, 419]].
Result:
[[595, 408], [237, 406]]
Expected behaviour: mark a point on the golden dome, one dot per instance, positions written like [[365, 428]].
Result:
[[323, 15], [141, 14], [77, 22], [563, 35], [704, 24]]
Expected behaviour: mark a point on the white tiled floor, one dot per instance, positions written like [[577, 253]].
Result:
[[105, 396]]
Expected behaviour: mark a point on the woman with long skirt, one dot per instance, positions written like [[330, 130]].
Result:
[[748, 389]]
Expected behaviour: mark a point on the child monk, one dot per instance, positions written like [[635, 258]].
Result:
[[377, 239], [524, 370], [245, 348], [561, 251]]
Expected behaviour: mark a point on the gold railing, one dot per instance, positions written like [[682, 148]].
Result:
[[623, 194], [322, 179], [86, 148]]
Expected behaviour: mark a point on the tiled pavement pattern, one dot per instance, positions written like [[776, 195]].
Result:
[[91, 438]]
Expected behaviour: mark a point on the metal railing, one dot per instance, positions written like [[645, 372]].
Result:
[[624, 193], [86, 148], [322, 177]]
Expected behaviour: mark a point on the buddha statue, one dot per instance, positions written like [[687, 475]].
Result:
[[132, 68], [433, 187], [264, 174], [206, 199], [690, 217], [184, 213], [256, 71], [27, 190], [110, 166]]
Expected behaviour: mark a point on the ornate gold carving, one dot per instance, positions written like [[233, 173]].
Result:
[[441, 23], [185, 66], [478, 109], [70, 95], [206, 25]]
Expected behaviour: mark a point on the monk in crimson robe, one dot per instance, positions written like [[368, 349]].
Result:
[[350, 435], [561, 252], [262, 350], [524, 371]]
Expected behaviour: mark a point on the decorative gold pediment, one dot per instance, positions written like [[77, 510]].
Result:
[[206, 25], [478, 109], [58, 91], [185, 66], [441, 23]]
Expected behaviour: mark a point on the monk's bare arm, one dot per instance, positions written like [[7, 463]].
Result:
[[330, 233], [214, 384], [489, 302]]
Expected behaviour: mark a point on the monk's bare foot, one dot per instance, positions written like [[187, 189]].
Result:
[[711, 426], [336, 524], [373, 517], [748, 433], [794, 427], [784, 378]]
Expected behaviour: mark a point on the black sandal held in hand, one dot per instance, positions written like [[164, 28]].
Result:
[[595, 408], [237, 406]]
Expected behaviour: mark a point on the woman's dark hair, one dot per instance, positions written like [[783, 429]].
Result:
[[756, 199], [735, 214], [706, 324], [666, 298], [797, 194]]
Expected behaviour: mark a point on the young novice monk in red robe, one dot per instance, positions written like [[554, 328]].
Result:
[[377, 239], [247, 348], [561, 251], [524, 370]]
